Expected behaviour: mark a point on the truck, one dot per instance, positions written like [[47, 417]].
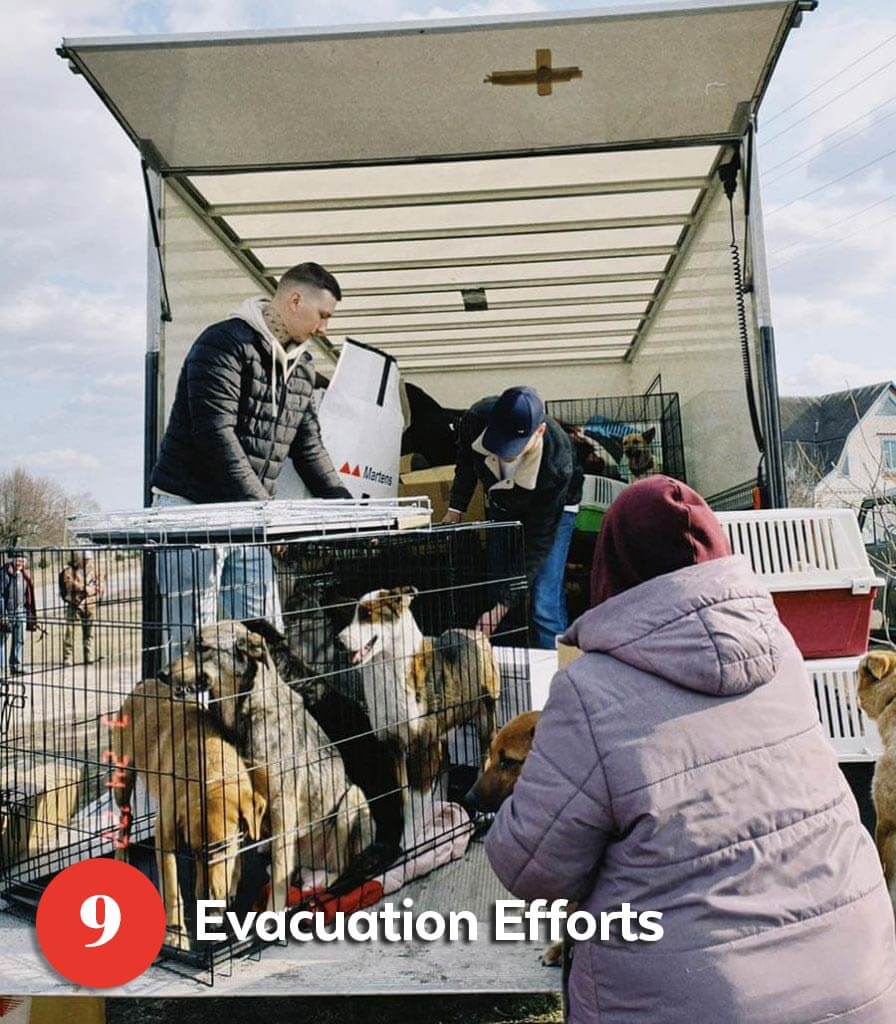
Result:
[[570, 201]]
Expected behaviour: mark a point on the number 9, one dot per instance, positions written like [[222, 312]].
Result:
[[111, 918]]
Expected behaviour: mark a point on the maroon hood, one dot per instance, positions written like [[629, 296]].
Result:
[[656, 526]]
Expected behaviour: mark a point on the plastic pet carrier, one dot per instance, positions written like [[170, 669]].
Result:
[[598, 494], [851, 733], [814, 563]]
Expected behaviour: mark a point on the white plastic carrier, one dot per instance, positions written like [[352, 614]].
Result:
[[802, 548], [601, 491], [851, 733]]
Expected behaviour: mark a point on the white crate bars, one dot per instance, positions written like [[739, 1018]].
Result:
[[802, 548]]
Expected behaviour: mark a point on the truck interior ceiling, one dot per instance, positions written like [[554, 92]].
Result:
[[503, 200]]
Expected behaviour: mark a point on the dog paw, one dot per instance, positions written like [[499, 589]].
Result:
[[553, 955], [177, 938]]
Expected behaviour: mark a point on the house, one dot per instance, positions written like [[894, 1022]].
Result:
[[839, 448]]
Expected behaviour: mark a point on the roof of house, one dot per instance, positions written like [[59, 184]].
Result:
[[827, 420]]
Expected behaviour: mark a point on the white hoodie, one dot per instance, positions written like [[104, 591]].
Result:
[[281, 356]]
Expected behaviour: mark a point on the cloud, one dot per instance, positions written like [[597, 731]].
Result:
[[824, 373], [793, 312], [479, 10], [61, 459], [65, 319], [72, 286]]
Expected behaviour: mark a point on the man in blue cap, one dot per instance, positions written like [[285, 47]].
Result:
[[529, 472]]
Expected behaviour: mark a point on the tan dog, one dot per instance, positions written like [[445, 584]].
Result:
[[417, 688], [877, 696], [506, 756], [505, 761], [637, 451], [201, 789], [319, 821]]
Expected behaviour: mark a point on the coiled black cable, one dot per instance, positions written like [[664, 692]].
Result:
[[744, 333], [728, 176]]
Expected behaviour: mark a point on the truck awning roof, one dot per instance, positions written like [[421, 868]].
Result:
[[648, 74], [373, 151]]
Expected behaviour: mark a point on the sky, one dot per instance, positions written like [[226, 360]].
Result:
[[73, 229]]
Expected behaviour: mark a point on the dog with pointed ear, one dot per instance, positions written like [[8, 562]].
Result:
[[877, 697], [638, 453], [223, 660]]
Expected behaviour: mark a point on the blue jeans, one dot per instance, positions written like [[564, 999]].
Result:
[[549, 615], [201, 585], [16, 635]]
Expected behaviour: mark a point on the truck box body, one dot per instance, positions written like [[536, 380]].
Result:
[[485, 234]]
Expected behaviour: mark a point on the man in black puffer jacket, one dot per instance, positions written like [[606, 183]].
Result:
[[243, 400], [243, 404]]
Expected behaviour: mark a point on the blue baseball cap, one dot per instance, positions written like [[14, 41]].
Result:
[[514, 418]]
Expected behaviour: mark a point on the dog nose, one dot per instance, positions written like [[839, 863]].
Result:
[[471, 800]]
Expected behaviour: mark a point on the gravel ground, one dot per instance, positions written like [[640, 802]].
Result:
[[384, 1010]]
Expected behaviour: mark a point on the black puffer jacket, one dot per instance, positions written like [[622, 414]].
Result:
[[226, 438]]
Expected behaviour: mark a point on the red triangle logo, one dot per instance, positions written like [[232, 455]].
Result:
[[356, 471], [346, 468]]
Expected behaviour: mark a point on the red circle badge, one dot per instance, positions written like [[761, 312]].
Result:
[[100, 923]]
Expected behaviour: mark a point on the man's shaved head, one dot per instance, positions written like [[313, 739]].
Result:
[[306, 298], [309, 276]]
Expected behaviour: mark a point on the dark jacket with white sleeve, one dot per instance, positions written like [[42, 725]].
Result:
[[539, 492]]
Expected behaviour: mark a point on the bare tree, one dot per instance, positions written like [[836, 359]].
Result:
[[33, 509]]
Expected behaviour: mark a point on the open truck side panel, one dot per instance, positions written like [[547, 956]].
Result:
[[483, 234]]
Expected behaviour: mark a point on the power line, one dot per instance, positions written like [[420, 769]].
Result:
[[833, 99], [830, 135], [836, 75], [850, 216], [843, 177], [811, 160], [834, 241]]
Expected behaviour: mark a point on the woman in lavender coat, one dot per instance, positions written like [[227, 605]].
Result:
[[679, 766]]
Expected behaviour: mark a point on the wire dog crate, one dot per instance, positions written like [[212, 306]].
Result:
[[627, 436], [322, 710]]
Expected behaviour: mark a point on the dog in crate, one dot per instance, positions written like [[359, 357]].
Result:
[[202, 791], [639, 454], [319, 821], [877, 697], [418, 689], [310, 659], [591, 455]]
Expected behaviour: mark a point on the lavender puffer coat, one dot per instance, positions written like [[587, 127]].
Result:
[[679, 766]]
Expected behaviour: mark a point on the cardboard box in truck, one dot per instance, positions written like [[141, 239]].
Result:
[[435, 484]]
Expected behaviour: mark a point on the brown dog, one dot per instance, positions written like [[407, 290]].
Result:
[[877, 696], [637, 451], [201, 788], [319, 820], [506, 757]]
